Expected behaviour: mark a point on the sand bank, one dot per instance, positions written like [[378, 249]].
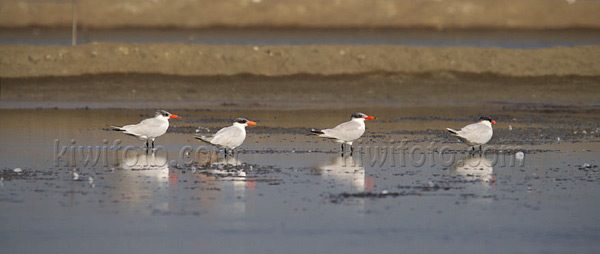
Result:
[[207, 60]]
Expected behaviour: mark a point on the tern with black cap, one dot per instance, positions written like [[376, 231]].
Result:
[[229, 137], [148, 129], [347, 132], [476, 134]]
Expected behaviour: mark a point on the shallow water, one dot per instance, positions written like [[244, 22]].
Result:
[[287, 191], [258, 36]]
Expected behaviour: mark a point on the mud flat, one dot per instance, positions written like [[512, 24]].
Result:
[[298, 189], [296, 91]]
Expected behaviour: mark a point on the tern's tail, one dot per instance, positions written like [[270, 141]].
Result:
[[116, 128], [203, 138], [316, 132], [452, 131]]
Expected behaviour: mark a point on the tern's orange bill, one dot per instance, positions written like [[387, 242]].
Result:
[[370, 118], [493, 122], [174, 116], [252, 123]]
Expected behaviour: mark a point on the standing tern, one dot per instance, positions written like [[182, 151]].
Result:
[[229, 137], [347, 132], [150, 128], [476, 134]]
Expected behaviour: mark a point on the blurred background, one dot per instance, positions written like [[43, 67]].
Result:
[[432, 44], [504, 23]]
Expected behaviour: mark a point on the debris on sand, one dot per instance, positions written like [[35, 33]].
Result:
[[338, 198], [519, 155], [587, 166]]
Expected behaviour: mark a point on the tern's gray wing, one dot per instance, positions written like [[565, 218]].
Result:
[[229, 137], [210, 138], [151, 127], [347, 131], [472, 127]]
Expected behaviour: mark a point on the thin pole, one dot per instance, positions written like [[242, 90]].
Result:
[[74, 22]]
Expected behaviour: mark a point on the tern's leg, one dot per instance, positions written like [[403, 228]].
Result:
[[233, 155], [152, 143], [147, 146], [351, 150]]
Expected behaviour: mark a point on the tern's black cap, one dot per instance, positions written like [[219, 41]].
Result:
[[485, 118], [163, 113], [358, 115], [242, 120]]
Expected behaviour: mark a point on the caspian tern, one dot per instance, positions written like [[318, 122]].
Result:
[[150, 128], [229, 137], [347, 132], [476, 134]]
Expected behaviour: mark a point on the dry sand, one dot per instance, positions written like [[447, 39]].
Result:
[[530, 14]]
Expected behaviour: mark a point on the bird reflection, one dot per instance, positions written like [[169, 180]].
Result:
[[149, 185], [475, 167], [229, 166], [228, 174], [138, 160], [143, 174], [346, 174]]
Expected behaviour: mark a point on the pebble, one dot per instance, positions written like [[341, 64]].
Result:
[[519, 155], [17, 170], [510, 127], [385, 192]]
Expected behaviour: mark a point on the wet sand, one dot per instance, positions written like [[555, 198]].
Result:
[[296, 190], [296, 91]]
